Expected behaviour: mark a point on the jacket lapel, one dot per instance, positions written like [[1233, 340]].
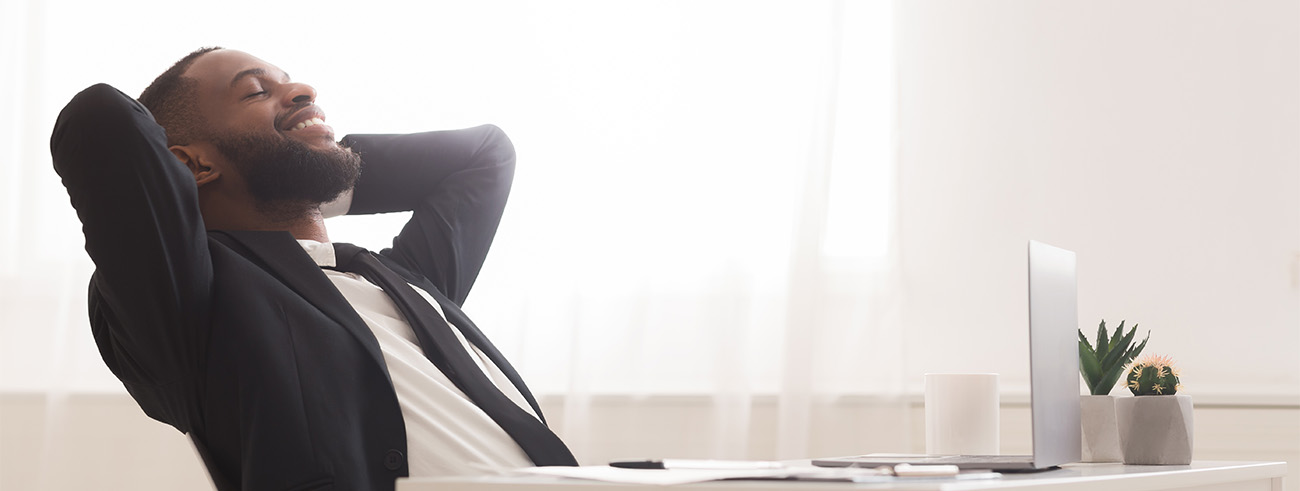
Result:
[[474, 335], [281, 255], [458, 318]]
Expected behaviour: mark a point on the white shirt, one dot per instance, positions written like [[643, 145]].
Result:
[[446, 433]]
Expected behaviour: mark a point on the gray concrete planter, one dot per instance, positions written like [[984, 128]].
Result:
[[1100, 429], [1155, 430]]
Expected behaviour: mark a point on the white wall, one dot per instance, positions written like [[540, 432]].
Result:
[[1160, 140]]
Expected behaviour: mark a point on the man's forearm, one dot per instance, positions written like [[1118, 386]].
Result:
[[457, 183], [400, 172]]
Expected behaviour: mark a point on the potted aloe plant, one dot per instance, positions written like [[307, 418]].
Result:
[[1155, 425], [1101, 367]]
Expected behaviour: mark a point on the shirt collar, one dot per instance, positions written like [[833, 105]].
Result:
[[321, 252]]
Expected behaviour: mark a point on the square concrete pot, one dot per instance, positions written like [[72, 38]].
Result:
[[1155, 430], [1100, 429]]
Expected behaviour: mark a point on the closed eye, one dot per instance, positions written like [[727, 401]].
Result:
[[255, 94]]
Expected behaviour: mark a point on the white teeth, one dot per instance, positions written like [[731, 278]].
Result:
[[309, 122]]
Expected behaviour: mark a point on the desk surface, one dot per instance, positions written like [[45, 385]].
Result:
[[1200, 476]]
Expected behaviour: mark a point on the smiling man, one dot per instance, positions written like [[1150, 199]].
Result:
[[218, 300]]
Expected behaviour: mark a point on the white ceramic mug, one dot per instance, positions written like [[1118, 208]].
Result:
[[961, 413]]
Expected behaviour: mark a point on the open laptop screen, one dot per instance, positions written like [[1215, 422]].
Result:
[[1053, 355]]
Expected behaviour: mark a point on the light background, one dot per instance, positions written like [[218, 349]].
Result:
[[797, 202], [675, 158]]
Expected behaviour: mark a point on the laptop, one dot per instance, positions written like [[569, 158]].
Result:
[[1053, 376]]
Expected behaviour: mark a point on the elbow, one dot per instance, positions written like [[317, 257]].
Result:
[[97, 113], [497, 150], [100, 104]]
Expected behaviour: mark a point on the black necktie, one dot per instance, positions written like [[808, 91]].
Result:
[[444, 349]]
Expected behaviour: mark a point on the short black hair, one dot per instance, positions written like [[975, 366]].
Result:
[[171, 99]]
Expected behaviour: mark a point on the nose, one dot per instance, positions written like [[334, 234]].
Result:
[[301, 94]]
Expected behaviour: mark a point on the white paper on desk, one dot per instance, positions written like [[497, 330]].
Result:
[[663, 477]]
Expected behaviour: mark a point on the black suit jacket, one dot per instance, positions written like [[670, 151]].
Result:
[[236, 337]]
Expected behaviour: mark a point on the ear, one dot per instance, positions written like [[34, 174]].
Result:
[[199, 165]]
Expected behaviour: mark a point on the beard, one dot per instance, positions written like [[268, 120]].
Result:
[[287, 176]]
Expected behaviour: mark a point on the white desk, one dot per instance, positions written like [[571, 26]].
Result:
[[1199, 476]]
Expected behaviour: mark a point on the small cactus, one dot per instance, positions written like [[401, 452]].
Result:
[[1154, 375]]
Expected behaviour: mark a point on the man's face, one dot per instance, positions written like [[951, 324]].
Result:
[[270, 129]]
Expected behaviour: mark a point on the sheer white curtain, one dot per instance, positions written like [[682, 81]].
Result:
[[704, 203]]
